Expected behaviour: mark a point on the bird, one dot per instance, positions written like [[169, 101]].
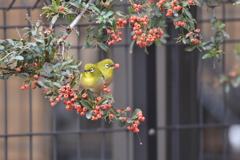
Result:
[[92, 78], [107, 67]]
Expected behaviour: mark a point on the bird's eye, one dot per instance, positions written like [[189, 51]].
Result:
[[107, 65], [92, 70]]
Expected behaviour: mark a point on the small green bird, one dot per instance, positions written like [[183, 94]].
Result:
[[107, 67], [92, 78]]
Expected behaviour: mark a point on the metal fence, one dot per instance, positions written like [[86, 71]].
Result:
[[189, 115]]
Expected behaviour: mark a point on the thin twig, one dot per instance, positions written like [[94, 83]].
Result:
[[6, 56]]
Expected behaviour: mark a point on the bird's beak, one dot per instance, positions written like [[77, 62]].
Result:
[[86, 70], [112, 66]]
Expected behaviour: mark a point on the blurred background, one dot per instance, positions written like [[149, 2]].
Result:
[[189, 114]]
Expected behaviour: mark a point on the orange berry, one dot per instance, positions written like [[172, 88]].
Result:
[[18, 69], [111, 116]]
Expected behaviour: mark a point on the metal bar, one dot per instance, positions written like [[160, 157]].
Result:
[[11, 4], [35, 4], [78, 117], [224, 93], [54, 135], [6, 98]]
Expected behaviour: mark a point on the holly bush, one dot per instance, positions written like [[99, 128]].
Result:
[[41, 56]]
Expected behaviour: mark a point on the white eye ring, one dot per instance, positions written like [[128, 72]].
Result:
[[107, 65], [91, 70]]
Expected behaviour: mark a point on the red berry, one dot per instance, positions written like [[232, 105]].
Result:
[[68, 107], [233, 74], [26, 64], [26, 86], [116, 65], [65, 95], [18, 69], [35, 64], [136, 130], [85, 109], [84, 95], [111, 116], [52, 104], [124, 119], [23, 87], [35, 81], [61, 7], [128, 108], [58, 99], [64, 37], [33, 87], [82, 113], [36, 76], [51, 100]]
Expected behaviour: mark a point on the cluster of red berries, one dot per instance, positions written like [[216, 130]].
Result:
[[179, 23], [136, 123], [26, 86], [175, 6], [195, 35], [26, 65], [144, 36], [66, 93], [137, 7], [116, 37]]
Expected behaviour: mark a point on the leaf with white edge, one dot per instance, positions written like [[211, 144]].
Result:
[[88, 114], [121, 123], [120, 13], [21, 75], [190, 48], [54, 19], [187, 13], [57, 84], [95, 9], [86, 104], [109, 13], [131, 46], [104, 101], [103, 47], [207, 55], [1, 47], [135, 113], [225, 34], [20, 58]]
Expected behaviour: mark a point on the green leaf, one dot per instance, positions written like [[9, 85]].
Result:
[[11, 41], [104, 101], [33, 32], [187, 13], [92, 17], [227, 88], [103, 47], [26, 28], [222, 26], [114, 25], [131, 46], [130, 9], [69, 18], [21, 75], [225, 34], [95, 9], [109, 13], [54, 19], [88, 114], [135, 113], [86, 104], [214, 19], [120, 13], [19, 58], [57, 84], [190, 48], [1, 47], [121, 123], [207, 55], [90, 94]]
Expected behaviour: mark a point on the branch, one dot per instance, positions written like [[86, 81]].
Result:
[[75, 21]]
